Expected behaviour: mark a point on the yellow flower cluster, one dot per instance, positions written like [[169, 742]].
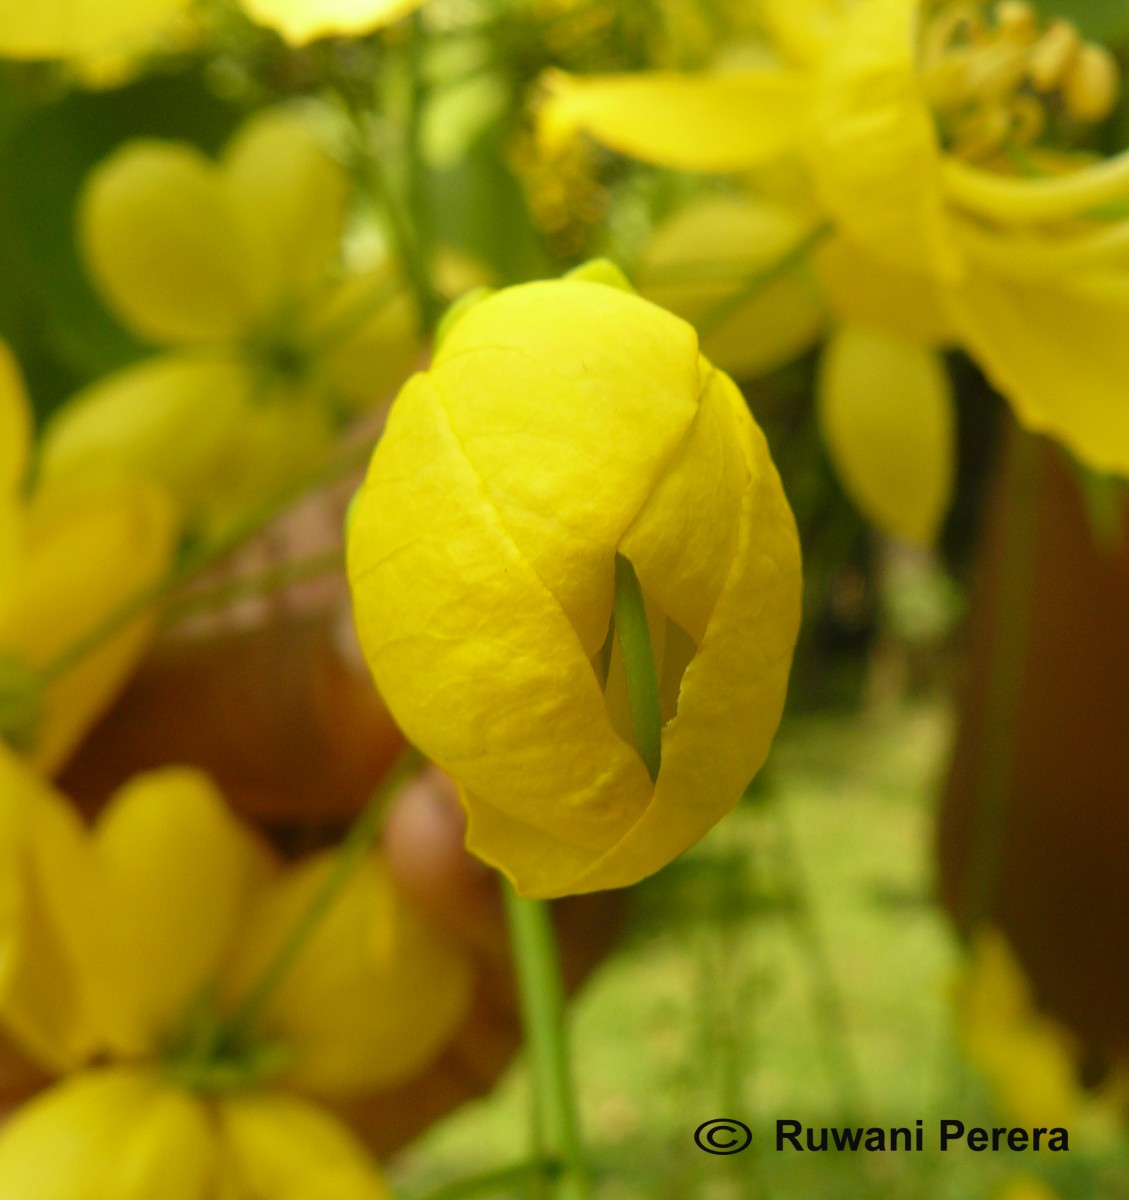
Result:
[[97, 29], [233, 266], [123, 951], [934, 141]]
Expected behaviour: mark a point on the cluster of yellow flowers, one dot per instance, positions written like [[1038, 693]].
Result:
[[133, 1016], [934, 147]]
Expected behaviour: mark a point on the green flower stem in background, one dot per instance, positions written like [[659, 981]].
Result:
[[490, 1182], [639, 664], [757, 282], [358, 842], [556, 1128]]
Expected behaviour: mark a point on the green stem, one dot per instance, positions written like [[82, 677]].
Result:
[[759, 280], [630, 616], [262, 583], [491, 1182], [350, 854], [556, 1128], [206, 556]]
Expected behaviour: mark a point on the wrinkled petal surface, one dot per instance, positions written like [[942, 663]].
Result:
[[886, 413], [559, 424], [114, 1135]]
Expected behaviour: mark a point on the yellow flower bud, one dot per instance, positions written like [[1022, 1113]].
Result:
[[561, 424]]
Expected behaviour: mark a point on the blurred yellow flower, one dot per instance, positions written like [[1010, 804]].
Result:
[[911, 120], [70, 557], [301, 21], [121, 951], [82, 29], [562, 424], [234, 265], [1026, 1188], [1026, 1057]]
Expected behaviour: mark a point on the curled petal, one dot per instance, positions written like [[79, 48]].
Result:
[[886, 413]]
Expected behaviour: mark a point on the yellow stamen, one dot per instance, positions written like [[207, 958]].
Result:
[[1037, 255], [1007, 198], [1091, 85], [1053, 56]]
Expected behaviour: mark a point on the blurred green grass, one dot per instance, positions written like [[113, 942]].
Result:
[[793, 965]]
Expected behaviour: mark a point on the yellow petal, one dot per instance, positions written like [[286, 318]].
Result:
[[86, 556], [873, 149], [376, 341], [732, 691], [886, 413], [802, 29], [282, 1147], [15, 426], [559, 423], [708, 252], [177, 420], [165, 243], [375, 994], [862, 289], [1057, 350], [301, 21], [15, 441], [176, 872], [695, 123], [45, 903], [113, 1135], [292, 198], [77, 28]]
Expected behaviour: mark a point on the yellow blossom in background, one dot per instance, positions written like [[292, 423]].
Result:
[[1026, 1188], [82, 28], [909, 119], [234, 267], [301, 21], [561, 424], [71, 555], [702, 254], [1026, 1057], [123, 949]]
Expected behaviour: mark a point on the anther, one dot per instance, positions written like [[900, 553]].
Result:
[[1053, 55], [1091, 84]]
